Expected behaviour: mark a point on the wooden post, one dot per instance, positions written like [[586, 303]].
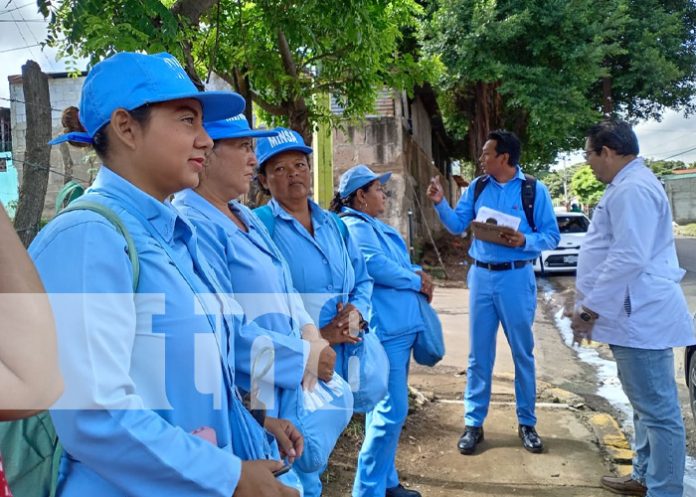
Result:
[[323, 158], [32, 193]]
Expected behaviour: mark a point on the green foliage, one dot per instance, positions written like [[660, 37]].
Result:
[[544, 56], [664, 167], [653, 64], [555, 181], [95, 29], [546, 62], [349, 48], [586, 187]]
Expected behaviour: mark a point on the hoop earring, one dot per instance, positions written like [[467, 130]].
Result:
[[364, 206]]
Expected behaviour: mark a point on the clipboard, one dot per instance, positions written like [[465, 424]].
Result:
[[488, 232]]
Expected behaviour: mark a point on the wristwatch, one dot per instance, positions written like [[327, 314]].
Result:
[[587, 315]]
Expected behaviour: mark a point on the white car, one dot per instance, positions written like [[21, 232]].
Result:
[[573, 227]]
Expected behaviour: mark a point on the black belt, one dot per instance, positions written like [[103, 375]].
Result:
[[502, 266]]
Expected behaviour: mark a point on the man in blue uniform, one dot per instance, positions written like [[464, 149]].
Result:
[[502, 288]]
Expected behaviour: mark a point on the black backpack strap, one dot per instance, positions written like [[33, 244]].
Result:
[[528, 198], [481, 183]]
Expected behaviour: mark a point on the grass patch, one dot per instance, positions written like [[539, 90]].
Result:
[[687, 230]]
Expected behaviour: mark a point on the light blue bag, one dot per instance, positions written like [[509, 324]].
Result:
[[365, 366], [429, 348], [321, 416], [251, 442]]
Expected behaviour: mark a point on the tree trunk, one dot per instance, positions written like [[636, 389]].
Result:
[[32, 194], [607, 101], [242, 86], [485, 116], [298, 119]]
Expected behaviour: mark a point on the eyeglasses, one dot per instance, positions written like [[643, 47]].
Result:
[[588, 153]]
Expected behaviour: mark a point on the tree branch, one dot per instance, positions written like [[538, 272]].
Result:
[[192, 9], [336, 54], [276, 110], [286, 55], [190, 65]]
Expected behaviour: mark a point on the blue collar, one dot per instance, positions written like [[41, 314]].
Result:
[[194, 200], [160, 214], [518, 175], [318, 215], [360, 214]]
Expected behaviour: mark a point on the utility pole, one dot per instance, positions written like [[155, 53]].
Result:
[[323, 157], [32, 193]]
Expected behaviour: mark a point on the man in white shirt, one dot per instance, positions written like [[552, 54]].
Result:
[[628, 296]]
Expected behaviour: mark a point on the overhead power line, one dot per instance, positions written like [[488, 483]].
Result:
[[680, 153], [15, 8], [19, 48], [16, 100]]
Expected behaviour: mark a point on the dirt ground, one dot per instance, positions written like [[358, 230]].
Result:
[[428, 460]]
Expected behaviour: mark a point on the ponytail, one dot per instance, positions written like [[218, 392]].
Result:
[[70, 120], [336, 203]]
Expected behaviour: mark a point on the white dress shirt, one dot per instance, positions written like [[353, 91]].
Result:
[[628, 270]]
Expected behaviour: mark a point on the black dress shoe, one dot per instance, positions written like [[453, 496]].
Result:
[[400, 491], [530, 439], [469, 440]]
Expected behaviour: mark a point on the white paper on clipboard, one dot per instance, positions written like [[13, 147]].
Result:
[[501, 219]]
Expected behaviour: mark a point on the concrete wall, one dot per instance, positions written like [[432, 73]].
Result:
[[681, 191], [64, 92], [404, 147]]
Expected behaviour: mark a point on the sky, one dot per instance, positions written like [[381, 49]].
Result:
[[672, 137], [18, 31]]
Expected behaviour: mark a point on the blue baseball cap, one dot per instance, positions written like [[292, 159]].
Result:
[[357, 177], [284, 141], [129, 80], [235, 127]]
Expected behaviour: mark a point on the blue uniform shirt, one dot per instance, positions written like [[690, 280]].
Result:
[[322, 265], [247, 264], [396, 284], [141, 373], [506, 198]]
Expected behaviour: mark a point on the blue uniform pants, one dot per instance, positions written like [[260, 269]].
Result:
[[311, 482], [376, 468], [321, 416], [507, 297]]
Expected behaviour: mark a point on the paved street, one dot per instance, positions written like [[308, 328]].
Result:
[[686, 251]]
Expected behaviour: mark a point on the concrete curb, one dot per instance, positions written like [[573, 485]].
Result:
[[610, 437], [613, 441]]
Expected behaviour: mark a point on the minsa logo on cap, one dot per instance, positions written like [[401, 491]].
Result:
[[176, 68], [285, 136], [238, 117]]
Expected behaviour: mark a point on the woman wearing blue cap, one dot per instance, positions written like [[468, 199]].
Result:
[[327, 267], [144, 331], [397, 282], [249, 264]]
